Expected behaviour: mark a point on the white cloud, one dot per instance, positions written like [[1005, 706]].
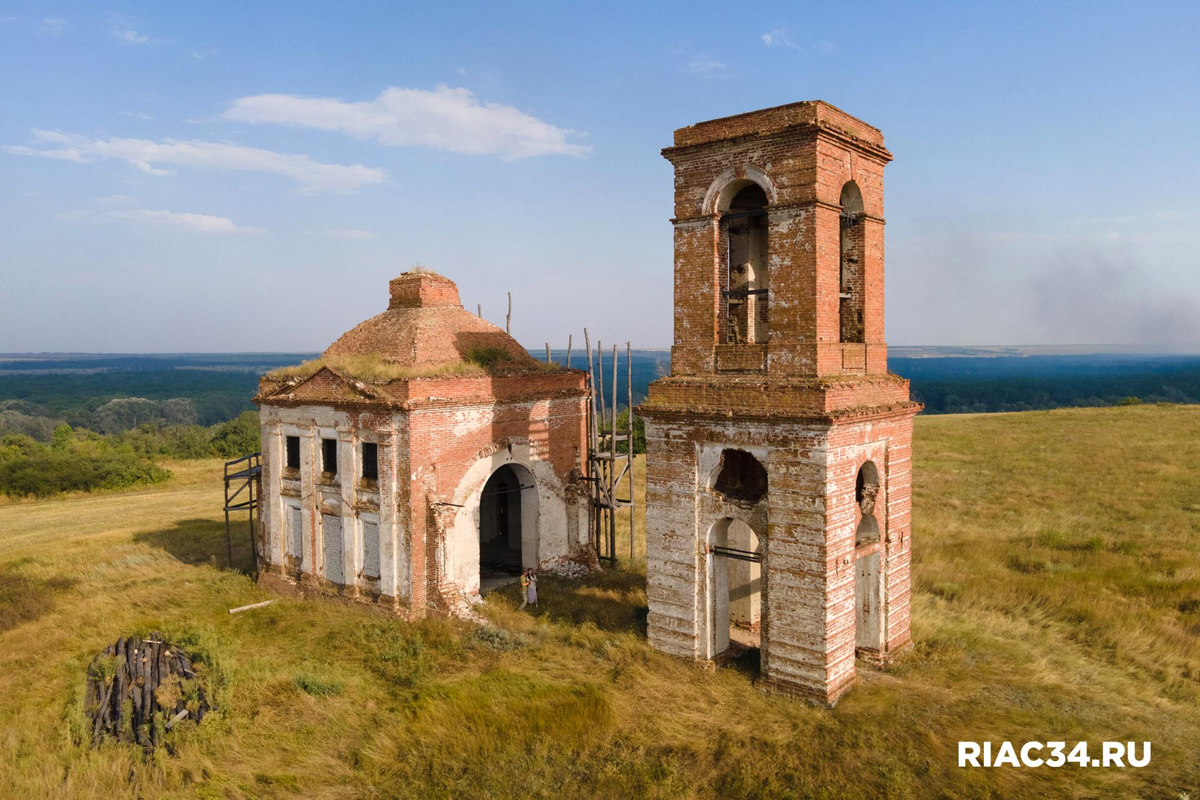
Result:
[[447, 119], [350, 233], [200, 54], [136, 114], [707, 67], [130, 37], [779, 37], [195, 223], [52, 26], [144, 154]]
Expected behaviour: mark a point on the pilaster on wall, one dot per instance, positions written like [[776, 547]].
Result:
[[309, 502], [671, 546], [697, 299], [349, 468]]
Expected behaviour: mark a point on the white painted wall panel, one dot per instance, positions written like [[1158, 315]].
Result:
[[295, 532], [370, 543], [331, 527]]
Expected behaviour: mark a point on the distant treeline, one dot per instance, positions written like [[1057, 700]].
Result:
[[82, 460], [964, 385], [152, 407]]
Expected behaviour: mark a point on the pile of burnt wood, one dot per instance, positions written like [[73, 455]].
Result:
[[139, 689]]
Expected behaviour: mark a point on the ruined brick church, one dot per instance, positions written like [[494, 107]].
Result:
[[427, 456], [778, 476], [424, 454]]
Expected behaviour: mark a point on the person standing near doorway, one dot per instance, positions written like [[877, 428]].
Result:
[[528, 589]]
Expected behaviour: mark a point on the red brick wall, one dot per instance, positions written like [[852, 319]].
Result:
[[808, 152], [445, 441]]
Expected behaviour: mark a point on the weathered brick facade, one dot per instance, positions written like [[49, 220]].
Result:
[[438, 437], [809, 399]]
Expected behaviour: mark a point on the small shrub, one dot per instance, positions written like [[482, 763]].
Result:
[[1052, 539], [1190, 606], [318, 686], [498, 639], [400, 654], [486, 356]]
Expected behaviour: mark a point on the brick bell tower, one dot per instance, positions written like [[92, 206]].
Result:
[[778, 470]]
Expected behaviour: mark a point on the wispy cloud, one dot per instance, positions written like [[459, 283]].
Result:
[[52, 26], [193, 223], [350, 233], [707, 67], [130, 37], [453, 120], [136, 114], [782, 37], [145, 154], [201, 54], [779, 37]]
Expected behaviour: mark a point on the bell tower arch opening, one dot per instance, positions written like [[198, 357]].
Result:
[[852, 260], [744, 232]]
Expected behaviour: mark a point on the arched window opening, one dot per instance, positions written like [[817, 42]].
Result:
[[742, 477], [852, 257], [866, 487], [745, 291]]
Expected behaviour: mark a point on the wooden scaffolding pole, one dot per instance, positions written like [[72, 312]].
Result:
[[629, 443]]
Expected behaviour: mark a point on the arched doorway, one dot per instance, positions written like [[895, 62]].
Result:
[[868, 578], [508, 517], [735, 587]]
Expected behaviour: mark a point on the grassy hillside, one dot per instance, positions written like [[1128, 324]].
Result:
[[1057, 596]]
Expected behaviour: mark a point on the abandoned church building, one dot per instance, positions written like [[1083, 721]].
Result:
[[425, 454], [778, 449]]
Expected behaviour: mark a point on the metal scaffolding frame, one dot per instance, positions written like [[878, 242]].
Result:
[[242, 475]]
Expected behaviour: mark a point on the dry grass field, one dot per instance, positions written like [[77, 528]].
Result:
[[1056, 596]]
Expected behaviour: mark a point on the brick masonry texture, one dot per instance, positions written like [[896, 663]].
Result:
[[438, 440], [812, 408]]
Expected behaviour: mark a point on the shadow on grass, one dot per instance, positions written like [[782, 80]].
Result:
[[24, 599], [611, 599], [202, 541]]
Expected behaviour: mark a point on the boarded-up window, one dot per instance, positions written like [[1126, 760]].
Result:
[[370, 543], [331, 526], [295, 532]]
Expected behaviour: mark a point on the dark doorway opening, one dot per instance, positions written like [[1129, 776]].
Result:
[[500, 528]]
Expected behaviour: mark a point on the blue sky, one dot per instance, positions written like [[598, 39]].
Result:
[[233, 176]]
